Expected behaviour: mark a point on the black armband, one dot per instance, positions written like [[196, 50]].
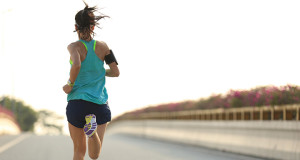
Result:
[[110, 58]]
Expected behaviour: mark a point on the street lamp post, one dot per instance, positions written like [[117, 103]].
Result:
[[3, 54], [2, 30]]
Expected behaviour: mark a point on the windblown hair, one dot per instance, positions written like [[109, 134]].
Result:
[[85, 19]]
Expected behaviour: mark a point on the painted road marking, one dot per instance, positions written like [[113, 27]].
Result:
[[13, 142]]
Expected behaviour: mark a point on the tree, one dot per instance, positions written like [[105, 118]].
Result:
[[25, 115]]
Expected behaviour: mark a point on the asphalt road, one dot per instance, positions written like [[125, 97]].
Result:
[[115, 147]]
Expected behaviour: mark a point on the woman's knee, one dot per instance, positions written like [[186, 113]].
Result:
[[80, 150], [94, 156]]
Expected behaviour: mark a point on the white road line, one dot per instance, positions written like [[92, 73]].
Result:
[[13, 142]]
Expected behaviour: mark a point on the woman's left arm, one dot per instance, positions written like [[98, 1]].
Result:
[[75, 57]]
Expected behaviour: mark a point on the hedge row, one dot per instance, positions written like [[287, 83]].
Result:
[[259, 96]]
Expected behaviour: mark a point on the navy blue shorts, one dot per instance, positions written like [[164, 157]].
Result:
[[78, 109]]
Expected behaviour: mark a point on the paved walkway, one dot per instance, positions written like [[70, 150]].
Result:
[[115, 147]]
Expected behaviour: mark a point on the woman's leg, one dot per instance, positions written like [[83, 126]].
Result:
[[95, 142], [79, 142]]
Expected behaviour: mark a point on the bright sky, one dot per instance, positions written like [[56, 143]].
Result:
[[168, 50]]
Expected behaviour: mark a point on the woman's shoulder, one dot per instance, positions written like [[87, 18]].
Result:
[[74, 44], [101, 43]]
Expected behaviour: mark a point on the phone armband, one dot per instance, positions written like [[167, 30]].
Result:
[[110, 58]]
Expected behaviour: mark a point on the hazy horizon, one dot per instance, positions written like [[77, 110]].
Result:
[[168, 51]]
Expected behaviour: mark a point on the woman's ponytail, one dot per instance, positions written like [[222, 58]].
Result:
[[86, 18]]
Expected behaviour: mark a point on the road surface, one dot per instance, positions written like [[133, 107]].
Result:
[[116, 147]]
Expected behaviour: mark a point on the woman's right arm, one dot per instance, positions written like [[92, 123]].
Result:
[[75, 57]]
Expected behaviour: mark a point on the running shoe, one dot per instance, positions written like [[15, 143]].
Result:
[[91, 125]]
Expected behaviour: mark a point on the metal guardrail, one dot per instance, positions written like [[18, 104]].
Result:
[[287, 112]]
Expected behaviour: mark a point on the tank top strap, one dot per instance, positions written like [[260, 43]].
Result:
[[94, 45], [91, 45], [84, 44]]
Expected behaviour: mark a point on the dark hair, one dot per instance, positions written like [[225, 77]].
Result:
[[85, 19]]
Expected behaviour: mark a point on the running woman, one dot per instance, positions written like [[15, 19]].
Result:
[[87, 111]]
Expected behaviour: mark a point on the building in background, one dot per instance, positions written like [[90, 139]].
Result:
[[8, 123]]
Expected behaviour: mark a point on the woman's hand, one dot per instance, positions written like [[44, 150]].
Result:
[[67, 89]]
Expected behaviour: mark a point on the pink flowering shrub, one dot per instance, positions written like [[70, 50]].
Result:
[[264, 96], [259, 96]]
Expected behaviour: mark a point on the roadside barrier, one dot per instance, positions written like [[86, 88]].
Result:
[[287, 112]]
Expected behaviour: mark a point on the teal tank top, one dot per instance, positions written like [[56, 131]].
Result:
[[90, 82]]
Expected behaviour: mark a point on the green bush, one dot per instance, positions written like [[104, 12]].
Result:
[[25, 115]]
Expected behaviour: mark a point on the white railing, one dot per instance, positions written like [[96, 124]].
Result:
[[286, 112]]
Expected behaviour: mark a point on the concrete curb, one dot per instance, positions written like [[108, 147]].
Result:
[[267, 139]]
